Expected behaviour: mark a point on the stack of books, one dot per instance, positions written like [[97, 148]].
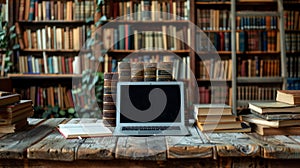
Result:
[[13, 112], [218, 118], [281, 117], [109, 98]]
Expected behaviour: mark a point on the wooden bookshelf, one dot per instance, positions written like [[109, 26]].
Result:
[[43, 76]]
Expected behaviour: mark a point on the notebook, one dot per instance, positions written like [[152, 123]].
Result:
[[150, 108]]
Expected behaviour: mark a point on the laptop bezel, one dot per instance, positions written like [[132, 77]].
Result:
[[181, 112]]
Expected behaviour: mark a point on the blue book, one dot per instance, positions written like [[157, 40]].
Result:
[[242, 41], [50, 65], [121, 29], [116, 39], [29, 63]]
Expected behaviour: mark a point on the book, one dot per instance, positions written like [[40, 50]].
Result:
[[213, 118], [266, 130], [288, 96], [9, 99], [273, 107], [219, 126], [274, 123], [212, 109], [84, 130], [277, 116], [14, 110]]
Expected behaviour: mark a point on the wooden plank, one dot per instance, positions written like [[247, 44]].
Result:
[[249, 162], [141, 148], [290, 163], [188, 146], [102, 148], [12, 163], [93, 164], [54, 147], [233, 144], [277, 147], [13, 146]]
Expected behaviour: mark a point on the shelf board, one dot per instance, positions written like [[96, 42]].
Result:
[[246, 102], [51, 50], [148, 51], [213, 3], [259, 79], [212, 31], [256, 13], [213, 80], [44, 22], [258, 52], [150, 21], [293, 79], [44, 76]]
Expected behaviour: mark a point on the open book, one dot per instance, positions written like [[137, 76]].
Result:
[[84, 130]]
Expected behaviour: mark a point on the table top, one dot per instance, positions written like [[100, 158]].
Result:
[[41, 140]]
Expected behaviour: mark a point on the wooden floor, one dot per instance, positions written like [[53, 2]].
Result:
[[41, 145]]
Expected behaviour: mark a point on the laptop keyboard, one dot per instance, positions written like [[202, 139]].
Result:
[[150, 128]]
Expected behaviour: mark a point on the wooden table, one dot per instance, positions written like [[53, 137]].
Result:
[[41, 145]]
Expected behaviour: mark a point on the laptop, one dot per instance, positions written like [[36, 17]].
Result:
[[150, 109]]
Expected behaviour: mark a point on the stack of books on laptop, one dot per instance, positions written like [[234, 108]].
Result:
[[281, 117], [13, 112], [218, 118]]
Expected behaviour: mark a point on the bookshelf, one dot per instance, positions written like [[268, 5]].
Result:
[[212, 57], [259, 53], [52, 36], [292, 41]]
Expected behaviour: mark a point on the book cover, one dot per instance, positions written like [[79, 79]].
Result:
[[288, 96], [273, 107], [274, 123], [83, 130]]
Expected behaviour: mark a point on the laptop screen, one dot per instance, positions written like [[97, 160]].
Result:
[[154, 103]]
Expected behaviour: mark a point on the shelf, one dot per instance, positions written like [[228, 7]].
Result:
[[51, 50], [54, 22], [246, 102], [256, 13], [43, 76], [259, 79], [258, 52], [213, 80], [212, 31], [149, 21], [148, 51], [293, 79], [213, 3]]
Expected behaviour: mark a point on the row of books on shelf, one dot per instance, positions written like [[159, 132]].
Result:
[[292, 41], [257, 41], [34, 10], [126, 37], [293, 84], [44, 96], [256, 23], [143, 10], [212, 19], [292, 20], [258, 67], [214, 95], [14, 112], [215, 69], [180, 66], [57, 38], [279, 117], [51, 65], [293, 69], [256, 93], [213, 41]]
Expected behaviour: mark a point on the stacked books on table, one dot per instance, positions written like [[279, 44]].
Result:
[[218, 118], [281, 117], [13, 112]]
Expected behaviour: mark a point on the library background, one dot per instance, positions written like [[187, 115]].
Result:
[[66, 56]]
